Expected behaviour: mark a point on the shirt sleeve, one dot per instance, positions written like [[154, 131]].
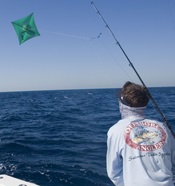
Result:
[[173, 158], [114, 160]]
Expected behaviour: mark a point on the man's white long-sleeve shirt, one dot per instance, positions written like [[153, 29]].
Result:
[[140, 151]]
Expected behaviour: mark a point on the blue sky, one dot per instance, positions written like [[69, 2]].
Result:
[[66, 57]]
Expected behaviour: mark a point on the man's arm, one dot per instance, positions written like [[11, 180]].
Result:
[[114, 160], [173, 158]]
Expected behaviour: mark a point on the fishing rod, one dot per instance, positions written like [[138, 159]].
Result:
[[131, 64]]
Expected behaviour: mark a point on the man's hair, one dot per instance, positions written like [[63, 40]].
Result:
[[134, 95]]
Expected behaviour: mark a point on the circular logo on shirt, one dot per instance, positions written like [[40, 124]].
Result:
[[145, 136]]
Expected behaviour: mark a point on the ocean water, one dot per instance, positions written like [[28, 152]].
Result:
[[58, 138]]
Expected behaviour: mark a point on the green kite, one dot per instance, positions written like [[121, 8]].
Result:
[[25, 28]]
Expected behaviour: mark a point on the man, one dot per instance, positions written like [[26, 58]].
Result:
[[140, 151]]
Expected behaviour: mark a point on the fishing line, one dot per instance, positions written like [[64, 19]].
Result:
[[131, 65], [100, 38], [103, 66], [68, 35], [116, 60]]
